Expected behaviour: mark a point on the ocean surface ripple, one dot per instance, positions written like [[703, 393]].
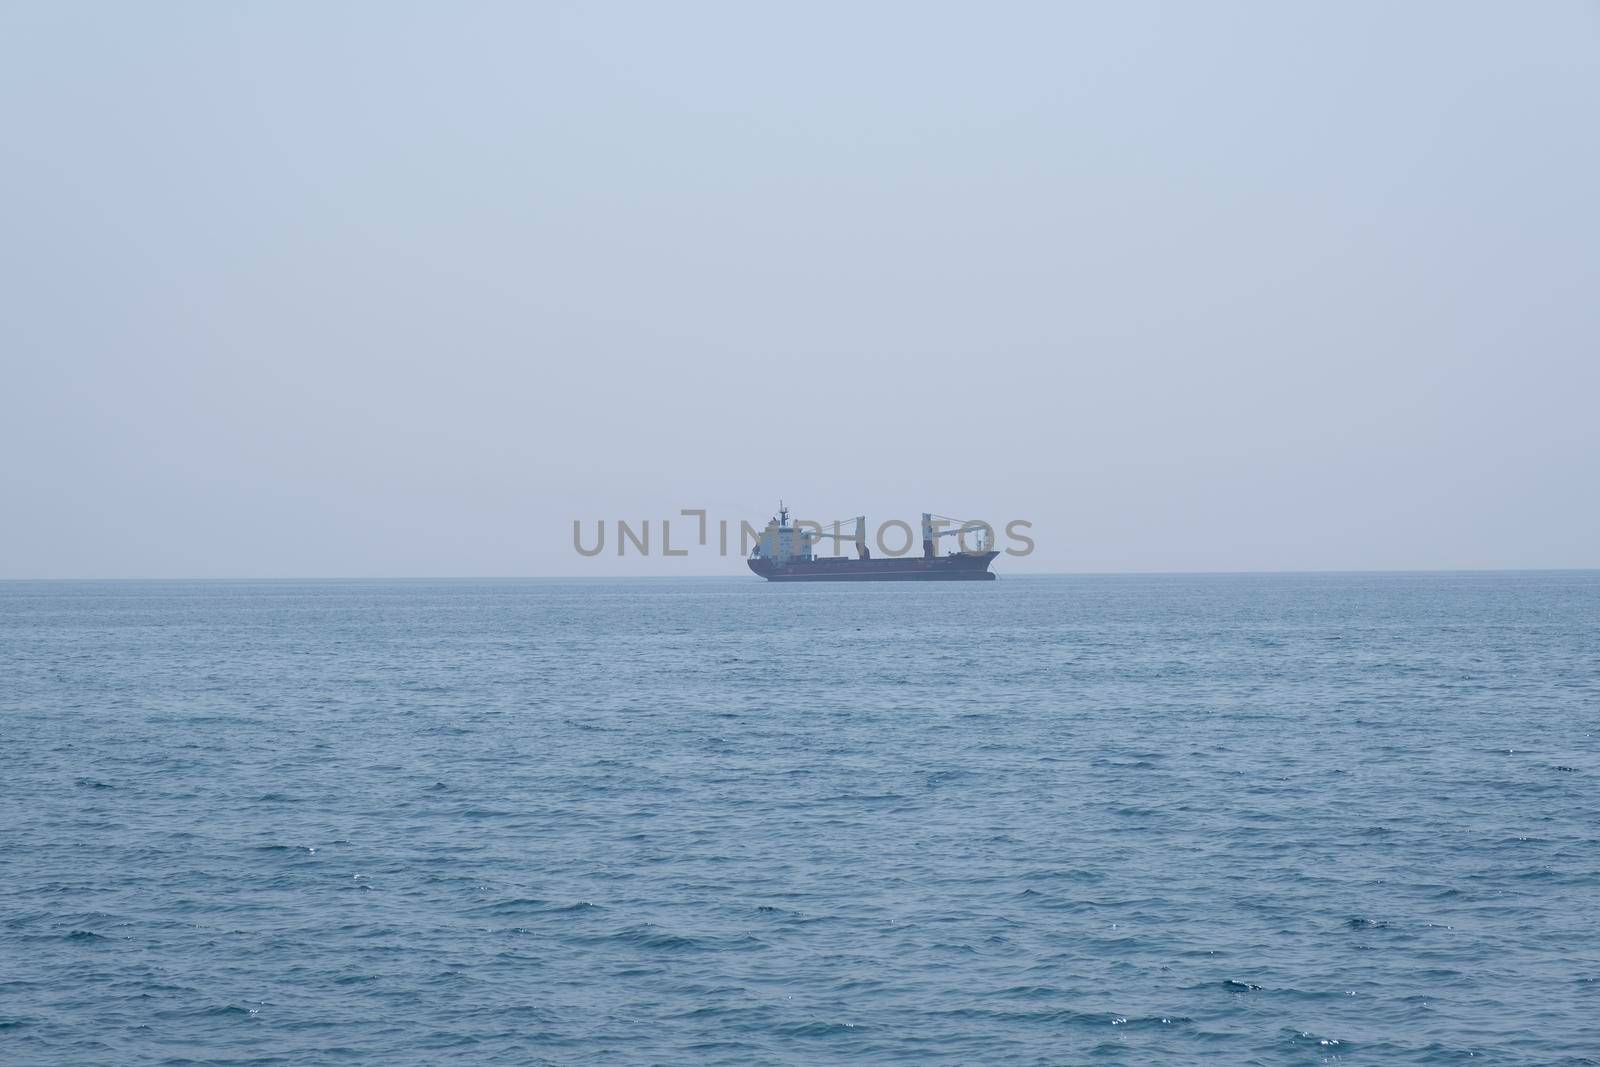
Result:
[[1250, 819]]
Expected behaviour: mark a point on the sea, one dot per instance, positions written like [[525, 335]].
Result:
[[1242, 819]]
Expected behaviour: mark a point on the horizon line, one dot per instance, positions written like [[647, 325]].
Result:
[[1309, 572]]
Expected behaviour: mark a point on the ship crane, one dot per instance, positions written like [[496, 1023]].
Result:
[[930, 536], [832, 531]]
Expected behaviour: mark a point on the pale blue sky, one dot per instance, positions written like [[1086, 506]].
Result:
[[381, 289]]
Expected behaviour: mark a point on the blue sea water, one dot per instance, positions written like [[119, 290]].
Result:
[[1244, 819]]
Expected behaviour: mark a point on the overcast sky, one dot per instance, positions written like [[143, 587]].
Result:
[[383, 290]]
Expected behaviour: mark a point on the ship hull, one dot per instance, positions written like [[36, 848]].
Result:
[[962, 567]]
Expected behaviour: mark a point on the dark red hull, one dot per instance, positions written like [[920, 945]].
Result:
[[961, 567]]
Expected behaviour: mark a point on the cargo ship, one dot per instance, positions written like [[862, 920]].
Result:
[[786, 553]]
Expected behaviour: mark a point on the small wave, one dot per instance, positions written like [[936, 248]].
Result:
[[1029, 992], [579, 724], [660, 941], [948, 775], [655, 939], [486, 813], [819, 1029], [228, 1011], [1322, 1041], [513, 906], [1149, 1021]]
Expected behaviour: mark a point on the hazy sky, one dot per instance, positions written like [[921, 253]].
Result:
[[382, 289]]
